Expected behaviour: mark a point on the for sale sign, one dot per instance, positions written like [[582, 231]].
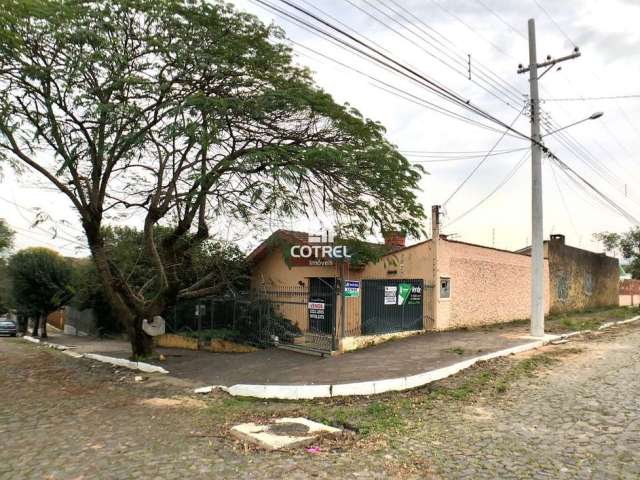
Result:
[[316, 309], [390, 295]]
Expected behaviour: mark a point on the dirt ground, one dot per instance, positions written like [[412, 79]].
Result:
[[566, 411]]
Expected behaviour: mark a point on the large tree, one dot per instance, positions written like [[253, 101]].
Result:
[[125, 247], [40, 284], [628, 244], [6, 242], [181, 112]]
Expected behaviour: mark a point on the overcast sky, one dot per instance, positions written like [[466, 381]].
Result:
[[494, 33]]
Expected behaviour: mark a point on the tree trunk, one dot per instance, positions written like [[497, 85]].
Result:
[[141, 343], [43, 326], [36, 325]]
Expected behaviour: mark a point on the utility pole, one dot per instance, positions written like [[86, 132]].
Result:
[[537, 241]]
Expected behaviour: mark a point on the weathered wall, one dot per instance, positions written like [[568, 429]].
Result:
[[487, 285], [580, 279]]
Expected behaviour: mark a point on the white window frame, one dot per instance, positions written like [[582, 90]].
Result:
[[445, 277]]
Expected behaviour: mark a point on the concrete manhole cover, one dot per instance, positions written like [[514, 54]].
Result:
[[291, 429], [283, 433]]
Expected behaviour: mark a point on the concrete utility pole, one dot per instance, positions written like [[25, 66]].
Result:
[[537, 241]]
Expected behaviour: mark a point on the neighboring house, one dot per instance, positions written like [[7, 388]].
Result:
[[56, 319], [436, 284], [629, 292], [579, 279]]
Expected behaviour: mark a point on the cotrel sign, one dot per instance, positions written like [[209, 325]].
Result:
[[321, 249]]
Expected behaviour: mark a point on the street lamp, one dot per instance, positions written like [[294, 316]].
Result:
[[593, 116]]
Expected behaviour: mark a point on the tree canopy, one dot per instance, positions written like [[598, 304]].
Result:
[[180, 113], [40, 281], [6, 236], [628, 244]]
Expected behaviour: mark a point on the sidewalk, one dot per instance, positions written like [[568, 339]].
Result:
[[399, 358]]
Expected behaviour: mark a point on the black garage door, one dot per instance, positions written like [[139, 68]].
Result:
[[392, 305]]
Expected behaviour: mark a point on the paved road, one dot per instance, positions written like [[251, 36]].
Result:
[[63, 418]]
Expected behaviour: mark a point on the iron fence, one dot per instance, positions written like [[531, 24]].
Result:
[[312, 316]]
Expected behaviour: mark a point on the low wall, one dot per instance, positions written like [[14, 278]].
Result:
[[170, 340], [216, 345], [629, 300], [348, 344]]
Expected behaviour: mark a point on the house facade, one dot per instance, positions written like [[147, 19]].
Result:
[[437, 284]]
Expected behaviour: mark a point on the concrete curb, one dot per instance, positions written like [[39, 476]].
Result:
[[119, 362], [373, 387]]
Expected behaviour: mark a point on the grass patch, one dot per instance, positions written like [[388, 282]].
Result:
[[390, 415], [457, 350], [589, 319]]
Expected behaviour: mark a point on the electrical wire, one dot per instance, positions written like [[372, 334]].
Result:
[[583, 99], [481, 162], [507, 98], [564, 202], [502, 20], [447, 43], [404, 94], [393, 63], [544, 10], [502, 183]]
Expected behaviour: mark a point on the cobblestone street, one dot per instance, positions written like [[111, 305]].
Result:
[[574, 415]]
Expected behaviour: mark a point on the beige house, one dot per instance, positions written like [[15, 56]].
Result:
[[447, 284]]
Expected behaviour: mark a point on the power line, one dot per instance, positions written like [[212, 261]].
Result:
[[564, 202], [446, 41], [504, 22], [502, 183], [567, 169], [404, 70], [508, 95], [475, 169], [422, 102], [440, 158], [554, 22], [579, 99], [404, 94], [450, 13]]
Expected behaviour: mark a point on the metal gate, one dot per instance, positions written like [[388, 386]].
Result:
[[392, 305], [297, 317]]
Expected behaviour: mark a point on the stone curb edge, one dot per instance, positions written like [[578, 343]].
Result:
[[373, 387], [119, 362]]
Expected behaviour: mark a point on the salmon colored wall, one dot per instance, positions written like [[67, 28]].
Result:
[[487, 285]]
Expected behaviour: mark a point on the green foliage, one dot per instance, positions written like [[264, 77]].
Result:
[[40, 281], [6, 236], [260, 321], [628, 244], [125, 246], [217, 333], [89, 294], [5, 288], [184, 112]]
